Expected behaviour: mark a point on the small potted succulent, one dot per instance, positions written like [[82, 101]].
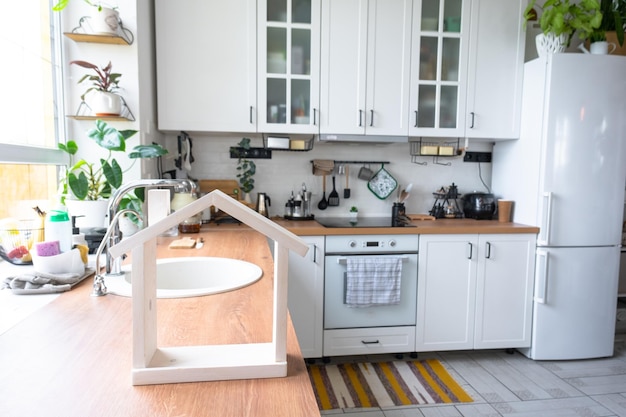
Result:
[[354, 213], [103, 19], [96, 181], [104, 84]]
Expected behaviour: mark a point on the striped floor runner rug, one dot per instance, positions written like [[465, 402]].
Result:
[[384, 384]]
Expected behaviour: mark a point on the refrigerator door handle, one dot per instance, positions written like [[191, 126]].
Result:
[[542, 277], [544, 232]]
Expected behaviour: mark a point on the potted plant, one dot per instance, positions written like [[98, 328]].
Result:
[[560, 19], [245, 169], [354, 213], [104, 84], [96, 181], [613, 19], [104, 19]]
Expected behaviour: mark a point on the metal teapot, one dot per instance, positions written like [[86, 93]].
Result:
[[263, 204]]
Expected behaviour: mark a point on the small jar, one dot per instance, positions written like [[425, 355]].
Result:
[[191, 224]]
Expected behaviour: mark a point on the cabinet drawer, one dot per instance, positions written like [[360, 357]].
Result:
[[369, 341]]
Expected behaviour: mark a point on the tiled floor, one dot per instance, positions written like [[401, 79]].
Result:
[[510, 385]]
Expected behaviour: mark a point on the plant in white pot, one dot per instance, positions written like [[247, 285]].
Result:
[[104, 83], [613, 20], [560, 19], [103, 19], [96, 181]]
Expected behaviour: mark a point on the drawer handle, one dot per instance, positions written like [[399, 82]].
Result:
[[344, 261], [375, 342]]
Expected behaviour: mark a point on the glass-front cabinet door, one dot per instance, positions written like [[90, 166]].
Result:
[[438, 67], [288, 66]]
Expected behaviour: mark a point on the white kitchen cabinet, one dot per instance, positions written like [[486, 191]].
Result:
[[365, 66], [496, 63], [206, 65], [474, 291], [306, 296], [439, 56], [288, 65]]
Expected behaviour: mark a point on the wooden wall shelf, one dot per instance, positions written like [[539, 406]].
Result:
[[90, 38], [108, 118]]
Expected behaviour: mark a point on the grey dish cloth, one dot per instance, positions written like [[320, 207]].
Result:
[[41, 283]]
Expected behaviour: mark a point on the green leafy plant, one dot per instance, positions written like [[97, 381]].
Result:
[[353, 209], [613, 19], [103, 79], [97, 180], [564, 17], [62, 4], [245, 167]]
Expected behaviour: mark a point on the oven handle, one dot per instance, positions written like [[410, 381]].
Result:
[[344, 261]]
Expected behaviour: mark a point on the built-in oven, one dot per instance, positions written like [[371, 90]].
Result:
[[338, 313]]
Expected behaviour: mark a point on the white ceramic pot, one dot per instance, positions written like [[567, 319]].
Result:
[[550, 44], [105, 104], [89, 213], [105, 21]]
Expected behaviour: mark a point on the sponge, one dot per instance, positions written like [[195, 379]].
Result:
[[49, 248]]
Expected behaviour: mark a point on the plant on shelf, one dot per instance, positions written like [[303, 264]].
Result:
[[105, 83], [62, 4], [98, 180], [354, 213], [245, 167], [562, 18], [613, 20]]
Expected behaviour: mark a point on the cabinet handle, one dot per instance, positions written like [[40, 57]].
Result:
[[372, 118], [251, 110], [360, 118], [314, 117], [488, 250], [544, 232], [472, 124], [415, 119], [371, 342], [314, 248], [470, 249], [542, 277]]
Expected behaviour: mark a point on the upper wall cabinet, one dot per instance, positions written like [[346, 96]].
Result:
[[439, 67], [496, 64], [206, 65], [365, 66], [288, 65], [466, 68]]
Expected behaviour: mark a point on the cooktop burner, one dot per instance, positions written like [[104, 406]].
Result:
[[361, 222]]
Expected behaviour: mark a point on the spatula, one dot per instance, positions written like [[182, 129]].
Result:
[[333, 197], [323, 203], [346, 191]]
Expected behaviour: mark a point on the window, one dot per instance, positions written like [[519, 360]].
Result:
[[31, 74]]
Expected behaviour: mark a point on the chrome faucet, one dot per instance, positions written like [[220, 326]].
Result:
[[114, 235], [99, 287]]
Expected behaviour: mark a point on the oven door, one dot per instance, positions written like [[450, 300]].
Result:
[[337, 315]]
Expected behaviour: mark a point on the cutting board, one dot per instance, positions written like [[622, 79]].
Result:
[[184, 243], [230, 187]]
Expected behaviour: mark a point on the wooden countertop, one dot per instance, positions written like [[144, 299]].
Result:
[[423, 227], [73, 356]]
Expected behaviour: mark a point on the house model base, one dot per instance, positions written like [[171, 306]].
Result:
[[158, 365]]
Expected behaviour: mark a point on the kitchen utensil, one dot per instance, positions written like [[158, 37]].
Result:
[[263, 204], [200, 243], [365, 173], [479, 206], [382, 184], [323, 203], [333, 197], [346, 191]]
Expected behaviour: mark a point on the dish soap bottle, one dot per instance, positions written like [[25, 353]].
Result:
[[59, 227]]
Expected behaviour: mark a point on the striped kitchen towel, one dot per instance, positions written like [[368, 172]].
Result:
[[373, 281]]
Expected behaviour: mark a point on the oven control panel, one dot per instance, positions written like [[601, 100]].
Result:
[[372, 244]]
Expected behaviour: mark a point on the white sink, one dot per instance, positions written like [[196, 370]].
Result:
[[192, 277]]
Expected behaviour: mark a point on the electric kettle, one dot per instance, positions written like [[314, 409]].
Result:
[[263, 204]]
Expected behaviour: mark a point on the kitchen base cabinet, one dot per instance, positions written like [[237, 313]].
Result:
[[306, 296], [374, 340], [474, 291]]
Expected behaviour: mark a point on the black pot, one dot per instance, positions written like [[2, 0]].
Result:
[[479, 206]]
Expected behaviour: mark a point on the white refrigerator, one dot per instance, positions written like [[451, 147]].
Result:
[[567, 174]]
